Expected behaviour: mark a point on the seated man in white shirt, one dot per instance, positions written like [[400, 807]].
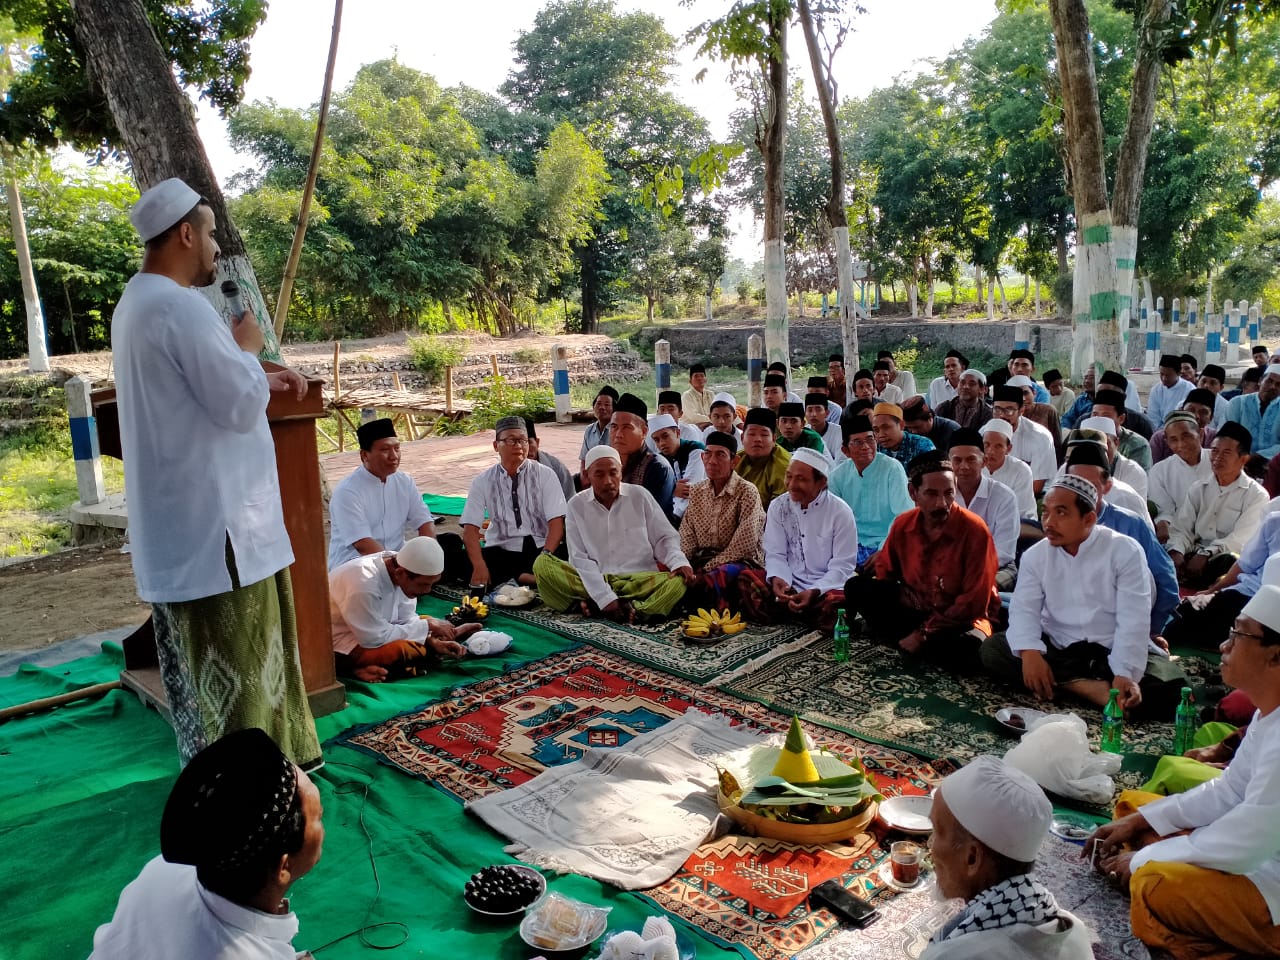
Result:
[[370, 509], [373, 606], [810, 550], [525, 505], [684, 455], [1000, 464], [1123, 468], [1203, 867], [624, 556], [1080, 618], [989, 820], [242, 824], [1171, 478], [991, 500], [882, 377]]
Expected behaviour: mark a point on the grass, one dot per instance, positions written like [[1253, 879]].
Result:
[[37, 486]]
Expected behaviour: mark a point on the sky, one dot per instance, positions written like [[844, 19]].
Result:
[[471, 43]]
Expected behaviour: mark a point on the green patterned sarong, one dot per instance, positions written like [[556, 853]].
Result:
[[652, 594], [230, 661]]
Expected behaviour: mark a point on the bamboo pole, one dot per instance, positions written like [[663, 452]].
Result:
[[493, 362], [313, 170], [337, 390], [448, 389], [48, 703]]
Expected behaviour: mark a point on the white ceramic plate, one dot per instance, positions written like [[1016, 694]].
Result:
[[886, 875], [1028, 715], [908, 814]]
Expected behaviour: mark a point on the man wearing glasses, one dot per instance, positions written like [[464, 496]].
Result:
[[525, 506]]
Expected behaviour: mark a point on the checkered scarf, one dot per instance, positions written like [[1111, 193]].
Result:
[[1019, 899]]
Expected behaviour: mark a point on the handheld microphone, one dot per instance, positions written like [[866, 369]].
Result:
[[231, 290]]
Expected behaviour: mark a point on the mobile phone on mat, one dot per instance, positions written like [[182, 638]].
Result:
[[844, 904]]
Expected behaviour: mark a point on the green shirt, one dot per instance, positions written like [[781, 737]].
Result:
[[768, 475], [808, 438]]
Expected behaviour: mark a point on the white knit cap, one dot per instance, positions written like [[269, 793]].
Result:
[[600, 452], [1272, 368], [423, 556], [1000, 805], [976, 374], [1264, 606], [725, 398], [1271, 570], [161, 207], [996, 425], [812, 458], [1103, 424], [1019, 381], [661, 421]]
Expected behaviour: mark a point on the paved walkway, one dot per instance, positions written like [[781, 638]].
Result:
[[447, 465]]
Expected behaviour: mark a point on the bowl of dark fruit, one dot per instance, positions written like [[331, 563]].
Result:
[[504, 890]]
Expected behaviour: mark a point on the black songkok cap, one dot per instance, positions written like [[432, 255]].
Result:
[[630, 403], [1233, 431], [370, 433], [855, 424], [1252, 375], [777, 367], [697, 368], [1110, 398], [1171, 360], [1006, 394], [817, 382], [762, 416], [528, 429], [965, 437], [1188, 358], [775, 380], [791, 410], [1052, 376], [1260, 348], [957, 355], [862, 375], [1215, 371], [884, 355], [836, 358], [1087, 453], [915, 410], [607, 391], [1113, 379], [717, 439], [670, 396], [815, 400], [1202, 395], [1022, 355], [881, 365], [233, 803], [860, 405]]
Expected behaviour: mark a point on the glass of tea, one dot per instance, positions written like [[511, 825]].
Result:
[[904, 861]]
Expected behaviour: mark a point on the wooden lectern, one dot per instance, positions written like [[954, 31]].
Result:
[[298, 466]]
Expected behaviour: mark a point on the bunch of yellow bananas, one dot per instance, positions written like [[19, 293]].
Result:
[[471, 608], [708, 623]]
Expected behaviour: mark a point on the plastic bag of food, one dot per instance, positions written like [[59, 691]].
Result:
[[560, 923], [1055, 752]]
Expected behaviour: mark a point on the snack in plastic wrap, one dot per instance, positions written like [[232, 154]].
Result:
[[559, 923]]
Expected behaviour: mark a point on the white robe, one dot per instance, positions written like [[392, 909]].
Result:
[[367, 610], [1171, 479], [363, 506], [1016, 475], [811, 547]]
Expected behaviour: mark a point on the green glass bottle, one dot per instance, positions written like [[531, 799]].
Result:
[[840, 636], [1184, 725], [1113, 724]]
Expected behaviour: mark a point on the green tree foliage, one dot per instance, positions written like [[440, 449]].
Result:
[[84, 250]]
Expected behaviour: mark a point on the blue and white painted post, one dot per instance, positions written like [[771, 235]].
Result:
[[1246, 320], [1160, 307], [1153, 340], [1193, 316], [1022, 335], [1231, 322], [1213, 352], [662, 365], [1255, 323], [755, 370], [84, 442], [1175, 317], [560, 381]]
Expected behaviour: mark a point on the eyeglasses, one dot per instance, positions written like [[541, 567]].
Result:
[[514, 441], [862, 442], [1235, 634]]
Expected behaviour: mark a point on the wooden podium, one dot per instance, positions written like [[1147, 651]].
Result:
[[298, 467]]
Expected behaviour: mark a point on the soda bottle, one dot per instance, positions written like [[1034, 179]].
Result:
[[840, 651], [1113, 724], [1184, 725]]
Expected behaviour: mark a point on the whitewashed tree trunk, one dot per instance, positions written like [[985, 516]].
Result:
[[709, 310], [1094, 321], [799, 303], [1124, 244], [991, 301], [977, 282], [776, 324], [1037, 298], [1004, 301], [913, 298], [37, 351], [928, 303], [848, 308]]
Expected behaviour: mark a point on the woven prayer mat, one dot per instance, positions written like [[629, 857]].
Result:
[[908, 920], [881, 697], [663, 646]]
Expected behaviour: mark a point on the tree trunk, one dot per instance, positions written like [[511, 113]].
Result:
[[648, 307], [71, 317], [837, 216], [313, 170], [157, 126], [710, 315], [991, 301], [1004, 301], [37, 350], [1095, 330], [772, 143], [1037, 298], [589, 280], [913, 299], [931, 289], [1060, 249], [1026, 289], [977, 282]]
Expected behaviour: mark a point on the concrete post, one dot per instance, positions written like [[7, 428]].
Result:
[[1231, 323], [1255, 323], [1247, 321], [1213, 352], [84, 441], [662, 365], [1175, 318], [1153, 342], [1193, 311], [1022, 335], [755, 370], [560, 381]]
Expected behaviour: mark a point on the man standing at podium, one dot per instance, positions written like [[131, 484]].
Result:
[[210, 550]]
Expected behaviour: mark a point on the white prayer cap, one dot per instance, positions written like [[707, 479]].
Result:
[[976, 374], [996, 425], [814, 459], [1264, 606], [724, 398], [1019, 381], [600, 452], [661, 422], [1272, 368], [161, 207], [1102, 424], [1271, 570], [423, 556], [1000, 805]]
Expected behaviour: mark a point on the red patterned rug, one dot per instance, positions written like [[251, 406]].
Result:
[[749, 894]]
